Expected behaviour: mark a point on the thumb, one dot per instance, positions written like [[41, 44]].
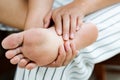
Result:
[[47, 19]]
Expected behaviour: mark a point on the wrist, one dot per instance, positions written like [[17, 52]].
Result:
[[84, 6]]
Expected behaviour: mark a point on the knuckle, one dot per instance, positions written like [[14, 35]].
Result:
[[65, 14], [54, 12], [55, 16]]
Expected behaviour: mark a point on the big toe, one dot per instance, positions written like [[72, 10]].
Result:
[[13, 41]]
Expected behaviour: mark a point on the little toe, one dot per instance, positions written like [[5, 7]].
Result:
[[31, 65], [13, 41]]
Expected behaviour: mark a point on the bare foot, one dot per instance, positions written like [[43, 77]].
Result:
[[34, 42], [41, 45]]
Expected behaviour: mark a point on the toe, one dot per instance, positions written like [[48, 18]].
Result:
[[12, 41], [11, 53], [31, 65], [23, 62], [16, 59]]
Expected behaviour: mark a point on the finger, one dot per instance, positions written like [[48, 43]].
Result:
[[60, 59], [11, 53], [68, 54], [23, 62], [73, 26], [66, 25], [58, 24], [31, 65], [62, 56], [47, 20], [74, 51], [79, 23], [67, 46], [16, 59]]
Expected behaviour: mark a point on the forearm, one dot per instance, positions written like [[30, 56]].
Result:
[[89, 6], [37, 10]]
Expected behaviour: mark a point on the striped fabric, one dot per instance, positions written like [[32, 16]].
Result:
[[7, 28], [106, 46]]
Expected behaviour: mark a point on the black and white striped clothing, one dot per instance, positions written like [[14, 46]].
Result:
[[7, 28], [106, 46]]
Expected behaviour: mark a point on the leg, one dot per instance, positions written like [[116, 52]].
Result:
[[34, 47], [13, 12]]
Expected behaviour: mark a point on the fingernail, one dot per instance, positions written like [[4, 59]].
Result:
[[78, 27], [72, 36], [65, 37], [59, 32]]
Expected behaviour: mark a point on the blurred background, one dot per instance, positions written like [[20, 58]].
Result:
[[107, 70]]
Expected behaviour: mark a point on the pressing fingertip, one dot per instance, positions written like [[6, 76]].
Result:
[[67, 46], [72, 36], [46, 24], [65, 37], [60, 49], [59, 32], [78, 28]]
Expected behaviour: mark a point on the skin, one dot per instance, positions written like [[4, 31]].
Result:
[[15, 15], [43, 50], [20, 8], [68, 18], [37, 13]]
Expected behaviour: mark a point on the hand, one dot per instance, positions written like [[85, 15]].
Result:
[[64, 56], [47, 20], [67, 20]]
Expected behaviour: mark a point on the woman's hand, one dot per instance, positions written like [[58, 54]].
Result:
[[67, 20], [64, 56]]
